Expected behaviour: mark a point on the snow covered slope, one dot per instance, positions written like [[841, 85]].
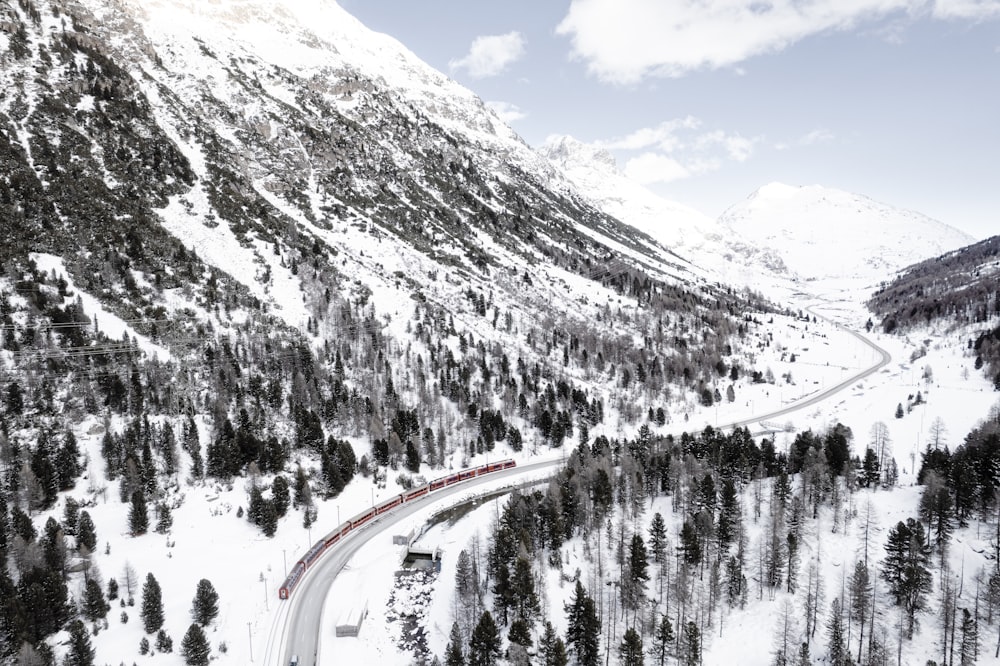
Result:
[[720, 251], [824, 233]]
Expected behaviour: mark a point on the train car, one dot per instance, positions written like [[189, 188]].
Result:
[[292, 580], [362, 518], [314, 553], [497, 466], [389, 504], [419, 492]]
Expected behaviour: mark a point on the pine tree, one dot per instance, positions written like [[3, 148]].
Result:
[[80, 653], [94, 605], [526, 602], [152, 605], [630, 650], [636, 572], [691, 655], [906, 568], [663, 639], [503, 592], [658, 538], [205, 606], [194, 647], [835, 633], [484, 646], [690, 545], [583, 632], [86, 533], [453, 653], [165, 518], [520, 633], [281, 495], [164, 643], [138, 518], [552, 648], [861, 597], [969, 649]]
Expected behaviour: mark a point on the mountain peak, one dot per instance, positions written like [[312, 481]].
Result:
[[824, 232], [567, 151]]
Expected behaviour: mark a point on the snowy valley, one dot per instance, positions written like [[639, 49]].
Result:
[[258, 276]]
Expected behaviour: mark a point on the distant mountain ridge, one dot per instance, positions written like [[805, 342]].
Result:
[[823, 232], [786, 232]]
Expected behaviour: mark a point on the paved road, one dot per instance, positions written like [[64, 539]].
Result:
[[298, 623], [884, 359]]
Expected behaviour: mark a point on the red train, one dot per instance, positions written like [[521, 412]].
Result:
[[320, 547]]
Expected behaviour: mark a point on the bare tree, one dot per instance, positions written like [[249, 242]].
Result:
[[130, 578], [937, 433], [881, 443]]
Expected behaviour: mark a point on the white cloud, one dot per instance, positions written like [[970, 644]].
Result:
[[509, 113], [663, 136], [625, 41], [650, 168], [679, 148], [813, 138], [969, 10], [490, 55]]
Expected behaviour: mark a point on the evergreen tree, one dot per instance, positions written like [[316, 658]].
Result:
[[165, 518], [662, 640], [281, 495], [520, 633], [194, 647], [692, 645], [658, 538], [503, 592], [453, 653], [205, 606], [835, 634], [526, 603], [152, 605], [870, 469], [729, 515], [138, 518], [690, 545], [164, 643], [484, 646], [86, 533], [583, 632], [630, 650], [906, 568], [636, 573], [969, 647], [861, 596], [552, 648], [94, 605], [80, 653], [936, 508]]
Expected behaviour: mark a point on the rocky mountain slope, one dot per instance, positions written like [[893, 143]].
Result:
[[250, 249]]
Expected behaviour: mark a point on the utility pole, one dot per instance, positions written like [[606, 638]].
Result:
[[250, 636]]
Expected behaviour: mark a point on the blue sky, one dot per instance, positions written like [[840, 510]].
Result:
[[707, 101]]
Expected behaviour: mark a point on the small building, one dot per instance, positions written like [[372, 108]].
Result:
[[350, 622]]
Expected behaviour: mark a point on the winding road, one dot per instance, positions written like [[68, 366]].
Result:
[[297, 626]]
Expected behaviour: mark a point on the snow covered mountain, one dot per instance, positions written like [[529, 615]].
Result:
[[717, 251], [823, 232]]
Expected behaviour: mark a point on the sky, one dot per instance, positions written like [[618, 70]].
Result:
[[706, 101]]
